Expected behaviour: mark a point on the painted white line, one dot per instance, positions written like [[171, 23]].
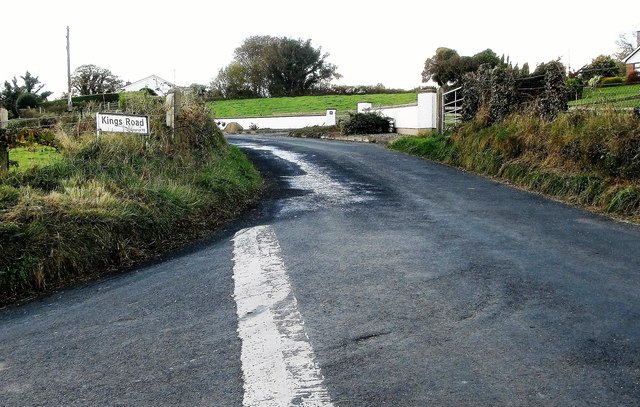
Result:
[[278, 363], [324, 189]]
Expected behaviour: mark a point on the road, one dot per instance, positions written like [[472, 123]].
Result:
[[366, 278]]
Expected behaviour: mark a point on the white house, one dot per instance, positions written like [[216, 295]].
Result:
[[632, 62], [160, 86]]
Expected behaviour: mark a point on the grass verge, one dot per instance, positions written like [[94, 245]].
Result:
[[591, 159], [618, 96], [111, 203]]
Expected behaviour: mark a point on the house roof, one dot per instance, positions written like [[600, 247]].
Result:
[[156, 77], [631, 55]]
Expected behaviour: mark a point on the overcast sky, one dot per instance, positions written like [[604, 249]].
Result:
[[370, 41]]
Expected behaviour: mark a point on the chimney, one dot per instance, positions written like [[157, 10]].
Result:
[[638, 37]]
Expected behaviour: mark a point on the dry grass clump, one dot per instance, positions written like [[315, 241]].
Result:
[[112, 202]]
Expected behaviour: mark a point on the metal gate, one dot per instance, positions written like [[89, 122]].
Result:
[[451, 108]]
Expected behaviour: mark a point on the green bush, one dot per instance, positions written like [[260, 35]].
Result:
[[27, 100], [365, 123], [313, 131], [101, 98], [615, 80], [575, 88]]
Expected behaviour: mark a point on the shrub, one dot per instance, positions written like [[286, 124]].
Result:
[[633, 77], [27, 100], [100, 98], [615, 80], [365, 123], [575, 88], [594, 81], [313, 131], [554, 98]]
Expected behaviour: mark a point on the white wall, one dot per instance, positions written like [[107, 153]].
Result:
[[411, 119], [158, 85], [408, 119], [282, 122]]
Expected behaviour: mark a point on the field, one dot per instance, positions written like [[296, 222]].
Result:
[[32, 157], [304, 104], [618, 96]]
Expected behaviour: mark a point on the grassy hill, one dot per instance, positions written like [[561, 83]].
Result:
[[304, 104], [615, 96]]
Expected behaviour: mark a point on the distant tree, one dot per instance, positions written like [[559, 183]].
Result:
[[274, 66], [93, 80], [602, 65], [252, 56], [447, 67], [232, 82], [626, 45], [441, 67], [295, 68], [487, 57], [14, 96]]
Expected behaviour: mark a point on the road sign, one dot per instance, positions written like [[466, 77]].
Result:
[[122, 123]]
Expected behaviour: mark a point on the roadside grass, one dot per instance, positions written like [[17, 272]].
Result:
[[590, 159], [304, 104], [619, 96], [110, 203], [27, 158]]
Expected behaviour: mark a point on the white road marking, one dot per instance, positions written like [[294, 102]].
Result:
[[278, 362], [324, 189]]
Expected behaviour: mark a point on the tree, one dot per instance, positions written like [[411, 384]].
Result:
[[295, 68], [447, 67], [441, 67], [602, 65], [93, 80], [232, 82], [15, 97], [271, 66], [625, 45], [252, 56]]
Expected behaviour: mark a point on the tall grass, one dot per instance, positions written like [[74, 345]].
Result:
[[112, 202], [587, 158]]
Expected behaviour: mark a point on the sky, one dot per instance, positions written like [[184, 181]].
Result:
[[371, 41]]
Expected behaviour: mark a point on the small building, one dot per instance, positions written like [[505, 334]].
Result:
[[632, 62], [160, 86]]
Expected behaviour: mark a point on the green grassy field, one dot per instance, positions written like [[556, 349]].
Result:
[[615, 96], [32, 157], [304, 104]]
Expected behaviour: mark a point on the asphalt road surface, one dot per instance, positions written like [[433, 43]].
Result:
[[366, 278]]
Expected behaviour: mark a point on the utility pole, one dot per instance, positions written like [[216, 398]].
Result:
[[69, 104]]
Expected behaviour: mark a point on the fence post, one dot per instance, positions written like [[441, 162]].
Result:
[[4, 147], [439, 110]]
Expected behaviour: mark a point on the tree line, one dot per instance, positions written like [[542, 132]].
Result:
[[267, 66]]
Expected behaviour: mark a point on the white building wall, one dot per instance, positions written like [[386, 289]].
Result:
[[410, 119], [282, 122], [158, 85]]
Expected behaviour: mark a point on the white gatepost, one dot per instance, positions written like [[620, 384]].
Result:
[[427, 109], [364, 107], [330, 118]]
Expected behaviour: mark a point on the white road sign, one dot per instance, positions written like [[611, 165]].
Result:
[[122, 123]]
